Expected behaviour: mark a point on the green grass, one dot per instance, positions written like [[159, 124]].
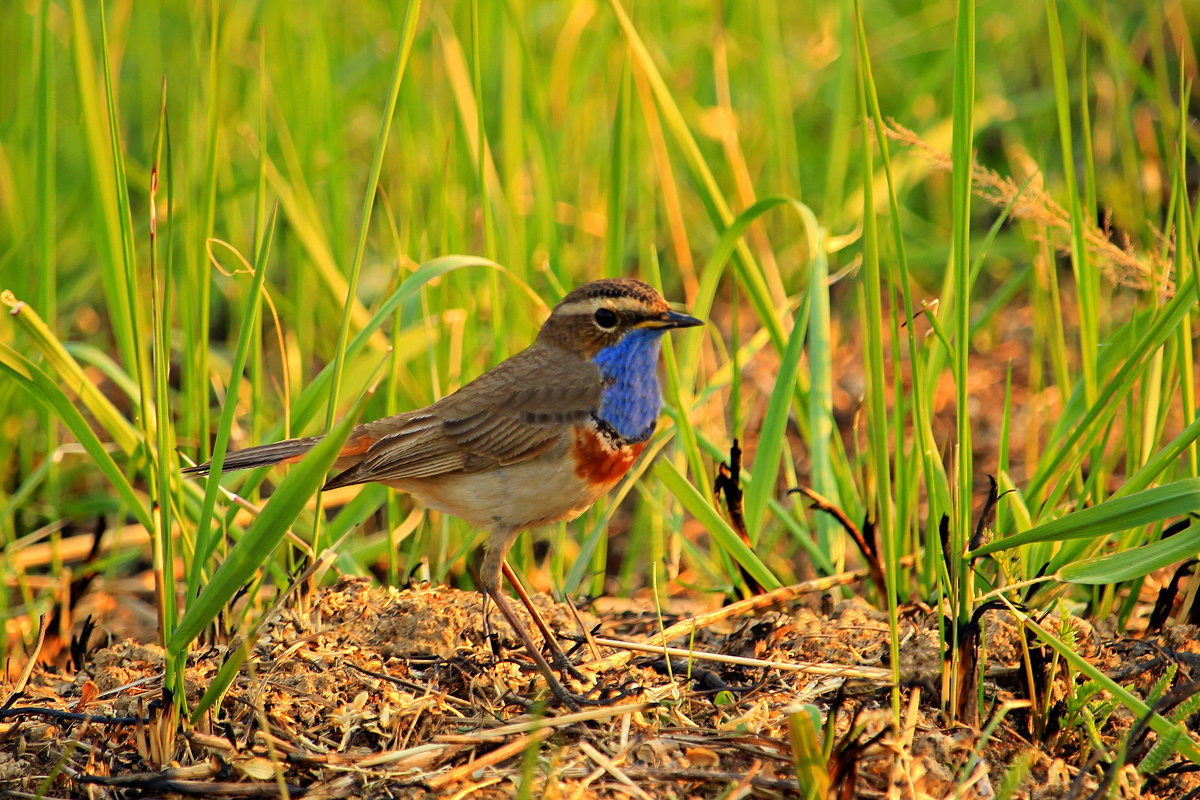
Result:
[[391, 199]]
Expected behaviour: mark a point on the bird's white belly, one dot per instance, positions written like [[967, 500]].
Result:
[[541, 490]]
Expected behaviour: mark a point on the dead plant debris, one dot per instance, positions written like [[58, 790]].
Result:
[[374, 692]]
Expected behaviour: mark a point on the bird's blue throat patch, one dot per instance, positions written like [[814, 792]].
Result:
[[630, 401]]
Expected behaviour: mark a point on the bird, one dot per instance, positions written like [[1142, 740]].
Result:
[[536, 439]]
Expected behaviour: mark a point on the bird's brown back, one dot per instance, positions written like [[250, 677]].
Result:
[[509, 414]]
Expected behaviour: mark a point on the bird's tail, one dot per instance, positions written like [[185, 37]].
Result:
[[261, 456]]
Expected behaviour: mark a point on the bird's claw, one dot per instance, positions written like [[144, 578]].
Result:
[[561, 662], [598, 696]]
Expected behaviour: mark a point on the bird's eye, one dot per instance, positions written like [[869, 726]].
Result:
[[606, 317]]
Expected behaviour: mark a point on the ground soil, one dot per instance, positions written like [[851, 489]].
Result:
[[363, 691]]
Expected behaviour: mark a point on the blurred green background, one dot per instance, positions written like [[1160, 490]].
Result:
[[550, 139]]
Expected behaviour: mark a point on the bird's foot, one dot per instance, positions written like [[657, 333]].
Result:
[[599, 695], [558, 659], [562, 662]]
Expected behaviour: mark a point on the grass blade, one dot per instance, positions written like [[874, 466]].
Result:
[[261, 538], [46, 390], [700, 508], [1163, 727], [206, 535], [1126, 565], [1119, 514]]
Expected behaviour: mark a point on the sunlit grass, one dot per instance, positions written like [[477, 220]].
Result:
[[412, 189]]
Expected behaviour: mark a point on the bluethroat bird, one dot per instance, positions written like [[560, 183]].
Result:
[[536, 439]]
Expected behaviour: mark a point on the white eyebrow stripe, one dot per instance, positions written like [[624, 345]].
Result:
[[591, 304]]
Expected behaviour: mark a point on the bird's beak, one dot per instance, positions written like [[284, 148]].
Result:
[[673, 319]]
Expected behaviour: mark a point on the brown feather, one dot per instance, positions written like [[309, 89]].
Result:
[[509, 414]]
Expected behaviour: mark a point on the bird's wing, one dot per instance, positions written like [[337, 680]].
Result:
[[510, 414]]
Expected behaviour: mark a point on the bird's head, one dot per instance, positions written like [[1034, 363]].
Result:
[[618, 325], [601, 314]]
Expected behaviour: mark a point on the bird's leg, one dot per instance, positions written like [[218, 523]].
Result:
[[572, 701], [493, 644], [494, 550], [557, 657]]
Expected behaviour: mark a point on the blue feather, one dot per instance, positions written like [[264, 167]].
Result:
[[630, 401]]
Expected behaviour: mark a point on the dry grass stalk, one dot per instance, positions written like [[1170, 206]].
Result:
[[502, 753], [1121, 265], [610, 766], [537, 723], [835, 670], [755, 603]]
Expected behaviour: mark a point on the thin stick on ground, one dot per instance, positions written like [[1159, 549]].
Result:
[[756, 603]]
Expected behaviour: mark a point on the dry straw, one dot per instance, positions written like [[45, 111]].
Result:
[[1123, 265]]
